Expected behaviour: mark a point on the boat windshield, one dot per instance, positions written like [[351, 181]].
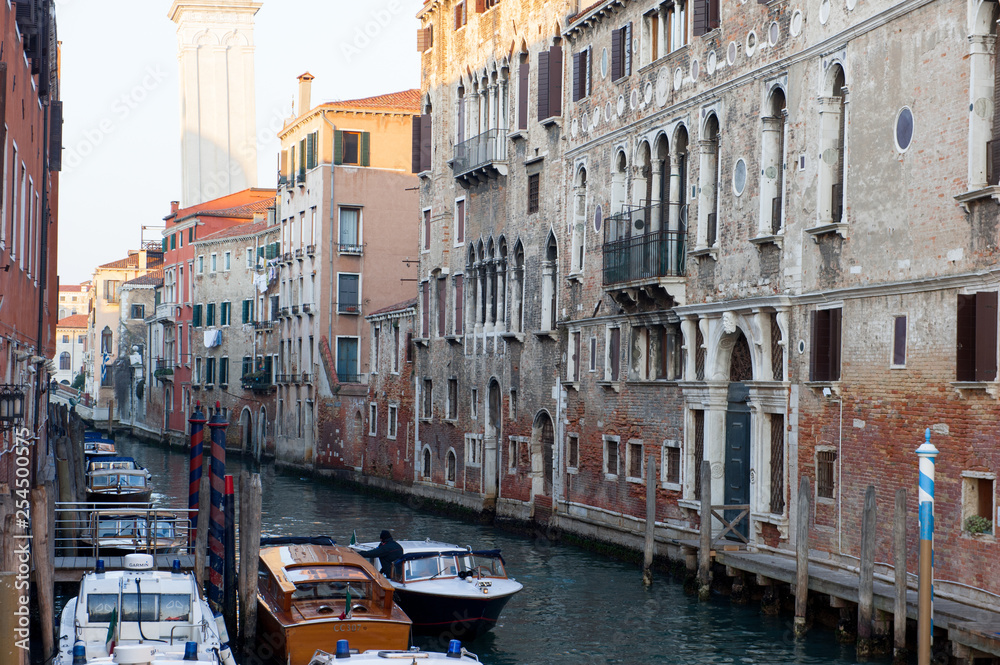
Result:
[[120, 464], [129, 527], [439, 566], [484, 566], [331, 590], [329, 582]]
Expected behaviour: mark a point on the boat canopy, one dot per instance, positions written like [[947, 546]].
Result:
[[486, 554]]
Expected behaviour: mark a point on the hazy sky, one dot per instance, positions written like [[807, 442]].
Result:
[[121, 163]]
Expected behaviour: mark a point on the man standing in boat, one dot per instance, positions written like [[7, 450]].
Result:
[[387, 552]]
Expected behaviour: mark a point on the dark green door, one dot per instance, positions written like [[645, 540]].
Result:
[[737, 490]]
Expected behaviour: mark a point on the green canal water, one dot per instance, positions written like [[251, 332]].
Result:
[[576, 608]]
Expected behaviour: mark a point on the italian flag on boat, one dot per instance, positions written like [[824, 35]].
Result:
[[346, 614], [112, 628]]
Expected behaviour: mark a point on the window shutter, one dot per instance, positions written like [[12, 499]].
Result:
[[246, 311], [55, 127], [543, 85], [425, 142], [616, 54], [459, 304], [427, 229], [425, 313], [578, 76], [422, 40], [442, 302], [164, 244], [196, 316], [835, 342], [338, 147], [965, 354], [714, 18], [522, 96], [555, 80], [699, 19], [616, 352], [415, 147], [994, 145], [986, 336], [311, 151], [480, 6], [458, 15], [628, 49], [818, 360], [366, 148]]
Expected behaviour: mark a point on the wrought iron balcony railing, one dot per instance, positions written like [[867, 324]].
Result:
[[634, 253], [479, 151], [344, 377]]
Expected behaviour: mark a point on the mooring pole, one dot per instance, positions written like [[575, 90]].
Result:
[[217, 528], [899, 558], [250, 502], [197, 422], [866, 577], [802, 557], [705, 545], [229, 565], [650, 550], [925, 594]]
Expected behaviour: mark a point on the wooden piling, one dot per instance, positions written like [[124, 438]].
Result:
[[705, 546], [250, 526], [866, 573], [204, 506], [899, 562], [650, 550], [111, 411], [44, 573], [802, 557]]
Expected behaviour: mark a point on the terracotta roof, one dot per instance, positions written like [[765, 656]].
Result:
[[587, 10], [151, 278], [72, 288], [245, 211], [237, 231], [74, 321], [398, 307], [153, 260], [405, 100], [229, 203]]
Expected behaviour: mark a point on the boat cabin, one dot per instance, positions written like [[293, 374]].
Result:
[[415, 566]]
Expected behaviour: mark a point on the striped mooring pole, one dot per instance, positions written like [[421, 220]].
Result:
[[925, 593], [217, 525], [197, 422], [229, 565]]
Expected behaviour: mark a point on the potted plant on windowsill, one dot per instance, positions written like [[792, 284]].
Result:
[[977, 525]]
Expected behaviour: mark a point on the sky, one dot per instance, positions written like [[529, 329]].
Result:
[[120, 91]]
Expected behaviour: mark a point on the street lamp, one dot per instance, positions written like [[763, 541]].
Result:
[[11, 406]]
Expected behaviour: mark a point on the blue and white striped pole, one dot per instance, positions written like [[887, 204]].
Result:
[[925, 594]]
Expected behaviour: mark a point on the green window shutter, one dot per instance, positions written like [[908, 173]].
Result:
[[246, 311], [365, 149], [191, 234], [164, 243], [250, 303], [173, 241], [311, 147], [210, 314], [196, 316], [338, 147]]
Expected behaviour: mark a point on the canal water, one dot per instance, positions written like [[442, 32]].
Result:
[[576, 607]]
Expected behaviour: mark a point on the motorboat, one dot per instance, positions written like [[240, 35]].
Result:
[[121, 532], [95, 445], [445, 588], [121, 485], [105, 462], [455, 654], [140, 615], [311, 593]]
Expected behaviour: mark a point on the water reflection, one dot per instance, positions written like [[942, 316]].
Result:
[[576, 608]]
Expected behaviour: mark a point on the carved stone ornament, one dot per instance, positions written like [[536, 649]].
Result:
[[728, 323]]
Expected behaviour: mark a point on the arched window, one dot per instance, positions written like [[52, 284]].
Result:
[[452, 463], [833, 149], [708, 178], [549, 270], [106, 340], [579, 221], [517, 290], [64, 360], [984, 118], [772, 164], [427, 464]]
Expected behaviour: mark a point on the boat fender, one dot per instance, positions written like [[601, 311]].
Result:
[[226, 655], [220, 623]]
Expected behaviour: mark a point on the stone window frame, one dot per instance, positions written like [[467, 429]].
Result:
[[426, 463], [373, 419], [474, 404], [672, 444], [831, 500], [213, 263], [971, 481], [571, 438], [392, 421], [605, 440], [473, 450], [641, 478], [451, 467]]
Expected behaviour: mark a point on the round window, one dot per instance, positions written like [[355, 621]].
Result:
[[740, 177], [695, 69], [604, 63], [796, 25], [904, 128], [773, 33], [598, 218], [824, 11], [751, 43], [731, 53]]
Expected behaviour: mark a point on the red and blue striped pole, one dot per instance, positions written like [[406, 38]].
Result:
[[925, 590], [197, 422], [217, 525], [229, 566]]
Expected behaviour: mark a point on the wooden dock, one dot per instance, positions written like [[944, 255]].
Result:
[[73, 568]]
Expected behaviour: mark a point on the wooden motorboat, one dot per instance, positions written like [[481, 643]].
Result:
[[312, 593], [455, 654], [98, 446], [445, 588], [105, 462], [120, 485], [143, 615], [122, 532]]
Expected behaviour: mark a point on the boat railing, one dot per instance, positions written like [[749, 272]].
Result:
[[191, 627], [152, 530]]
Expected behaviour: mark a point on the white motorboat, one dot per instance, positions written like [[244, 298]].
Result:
[[455, 654], [445, 588], [140, 615]]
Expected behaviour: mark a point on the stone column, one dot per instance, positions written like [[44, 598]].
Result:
[[675, 193], [770, 171], [656, 217], [830, 156], [707, 191], [689, 328], [981, 97]]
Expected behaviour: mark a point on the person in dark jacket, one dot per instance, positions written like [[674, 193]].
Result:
[[387, 552]]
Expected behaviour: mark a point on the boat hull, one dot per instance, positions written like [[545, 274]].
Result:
[[295, 644], [462, 618], [124, 497]]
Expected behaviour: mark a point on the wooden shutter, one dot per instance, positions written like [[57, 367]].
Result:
[[578, 76], [986, 336], [627, 52], [55, 133], [196, 316], [543, 85], [458, 15], [555, 80], [422, 40], [246, 311], [699, 19], [442, 302], [460, 222], [425, 311], [366, 140], [480, 6], [616, 54], [459, 304], [965, 352], [835, 343], [338, 147], [427, 229], [415, 146], [311, 150], [993, 168], [714, 16], [425, 142], [522, 96], [818, 358]]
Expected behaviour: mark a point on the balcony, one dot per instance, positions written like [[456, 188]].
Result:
[[311, 250], [286, 257], [354, 250], [164, 369], [348, 308], [263, 325], [295, 310], [308, 309], [258, 382], [298, 253], [480, 158], [285, 312], [344, 377], [306, 377], [284, 378], [635, 257]]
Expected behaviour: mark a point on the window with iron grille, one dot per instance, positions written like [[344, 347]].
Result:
[[533, 187], [777, 351], [825, 473], [699, 449], [611, 456], [777, 463], [635, 460]]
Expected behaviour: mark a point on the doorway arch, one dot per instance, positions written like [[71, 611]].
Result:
[[491, 442], [543, 441], [246, 431]]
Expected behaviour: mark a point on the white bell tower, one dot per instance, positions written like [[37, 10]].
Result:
[[218, 112]]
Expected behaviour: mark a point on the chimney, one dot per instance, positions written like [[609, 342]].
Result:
[[305, 92], [174, 207], [142, 261]]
